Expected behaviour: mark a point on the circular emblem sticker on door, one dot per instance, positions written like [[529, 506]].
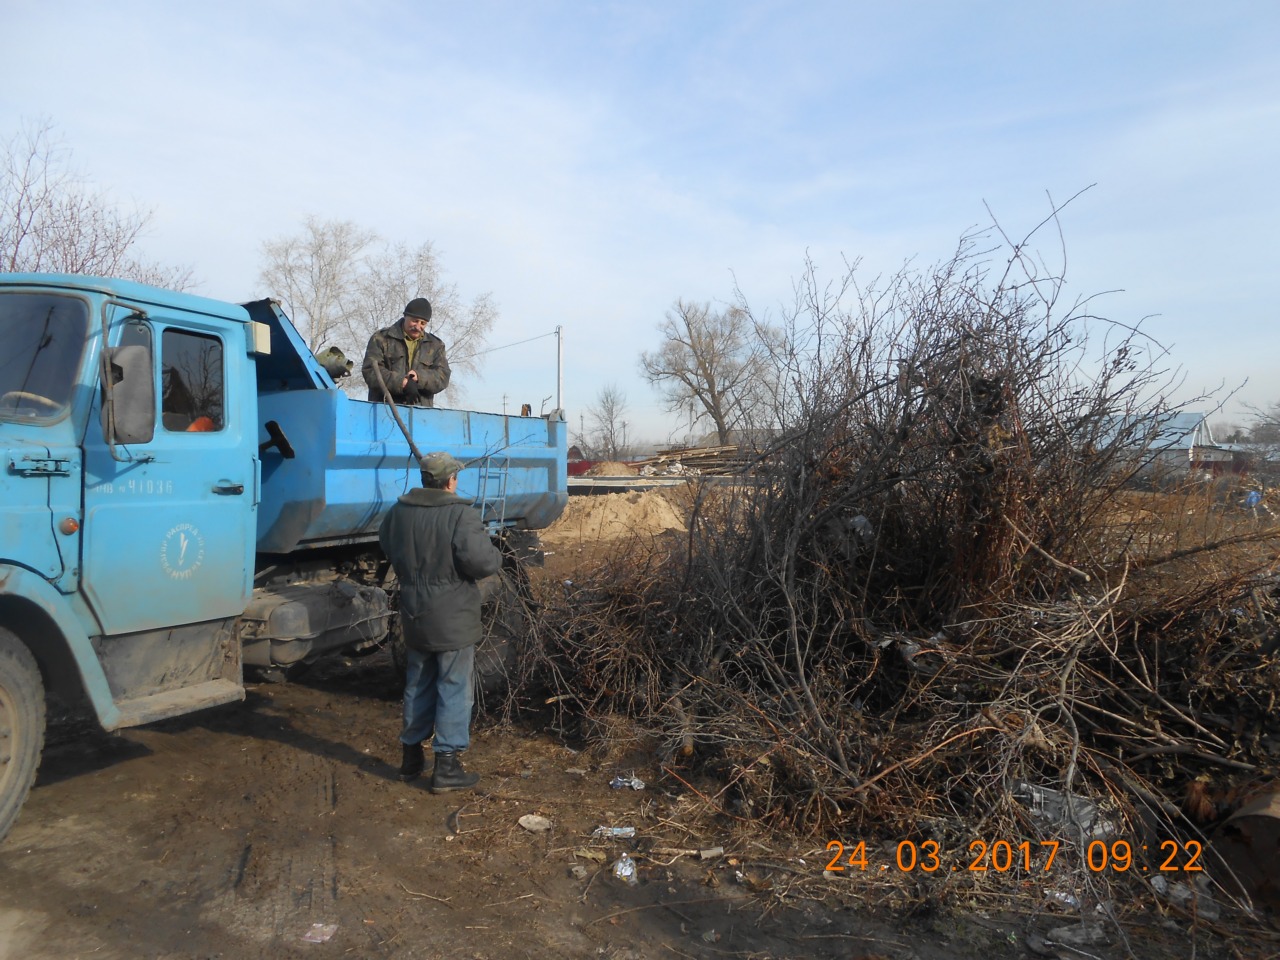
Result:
[[182, 551]]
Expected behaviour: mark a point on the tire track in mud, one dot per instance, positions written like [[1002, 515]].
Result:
[[285, 877], [273, 870], [78, 864], [227, 825], [288, 849]]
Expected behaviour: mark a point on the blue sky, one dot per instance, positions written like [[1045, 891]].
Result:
[[589, 163]]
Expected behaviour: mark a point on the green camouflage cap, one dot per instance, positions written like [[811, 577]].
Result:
[[440, 465]]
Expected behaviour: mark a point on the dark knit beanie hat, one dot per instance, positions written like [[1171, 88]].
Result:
[[419, 307]]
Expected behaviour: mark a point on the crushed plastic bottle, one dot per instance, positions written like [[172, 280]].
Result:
[[607, 833], [624, 868], [620, 782]]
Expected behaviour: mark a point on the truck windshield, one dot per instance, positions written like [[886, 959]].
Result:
[[43, 336]]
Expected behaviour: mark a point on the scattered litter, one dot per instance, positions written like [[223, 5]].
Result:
[[711, 937], [624, 868], [1063, 898], [621, 782], [579, 871], [1064, 809], [320, 932], [1077, 935], [535, 823], [576, 772], [1186, 897], [587, 853], [605, 833], [710, 852]]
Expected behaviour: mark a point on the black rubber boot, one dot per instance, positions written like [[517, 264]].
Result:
[[449, 775], [413, 762]]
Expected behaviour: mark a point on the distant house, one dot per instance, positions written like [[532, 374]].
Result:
[[1183, 443], [578, 464]]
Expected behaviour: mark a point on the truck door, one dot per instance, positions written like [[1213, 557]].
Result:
[[169, 524], [44, 335]]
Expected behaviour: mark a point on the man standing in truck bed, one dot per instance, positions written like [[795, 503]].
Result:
[[412, 361], [438, 547]]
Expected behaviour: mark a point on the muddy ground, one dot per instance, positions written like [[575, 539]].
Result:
[[278, 828], [240, 831]]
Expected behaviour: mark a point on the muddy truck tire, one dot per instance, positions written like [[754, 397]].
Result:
[[22, 715]]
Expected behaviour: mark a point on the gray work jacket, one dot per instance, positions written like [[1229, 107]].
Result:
[[439, 549]]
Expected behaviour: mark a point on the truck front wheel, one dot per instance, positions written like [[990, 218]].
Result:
[[21, 726]]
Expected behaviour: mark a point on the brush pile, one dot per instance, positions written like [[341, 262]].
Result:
[[935, 609]]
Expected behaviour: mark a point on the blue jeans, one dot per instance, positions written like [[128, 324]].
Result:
[[438, 696]]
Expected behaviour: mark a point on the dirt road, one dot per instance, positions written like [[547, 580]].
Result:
[[241, 831]]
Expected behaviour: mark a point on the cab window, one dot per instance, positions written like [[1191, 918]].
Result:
[[192, 396], [43, 336]]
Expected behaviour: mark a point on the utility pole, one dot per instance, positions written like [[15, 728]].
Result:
[[559, 367]]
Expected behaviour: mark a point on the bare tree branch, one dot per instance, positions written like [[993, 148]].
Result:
[[340, 283], [711, 365], [607, 437], [51, 220]]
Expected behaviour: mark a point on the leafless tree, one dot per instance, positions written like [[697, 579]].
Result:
[[1263, 433], [606, 439], [52, 219], [1265, 427], [340, 283], [712, 364], [317, 275], [1229, 432]]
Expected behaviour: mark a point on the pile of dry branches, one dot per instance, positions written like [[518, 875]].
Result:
[[935, 601]]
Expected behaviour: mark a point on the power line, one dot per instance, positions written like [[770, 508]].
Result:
[[481, 353]]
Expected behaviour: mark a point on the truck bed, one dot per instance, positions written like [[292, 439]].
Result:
[[351, 460]]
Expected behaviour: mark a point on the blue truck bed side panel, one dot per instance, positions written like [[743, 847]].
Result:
[[352, 462]]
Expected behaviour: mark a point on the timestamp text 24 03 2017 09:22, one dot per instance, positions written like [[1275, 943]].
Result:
[[1003, 856]]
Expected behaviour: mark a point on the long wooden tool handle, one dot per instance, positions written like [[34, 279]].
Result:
[[386, 395]]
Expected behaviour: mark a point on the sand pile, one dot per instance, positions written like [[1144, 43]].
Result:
[[614, 515], [612, 468]]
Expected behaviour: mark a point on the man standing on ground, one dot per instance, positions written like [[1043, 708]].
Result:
[[412, 361], [439, 549]]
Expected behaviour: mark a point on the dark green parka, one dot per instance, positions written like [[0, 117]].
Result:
[[438, 547], [389, 351]]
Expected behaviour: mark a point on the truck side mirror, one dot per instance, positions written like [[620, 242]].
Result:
[[129, 398]]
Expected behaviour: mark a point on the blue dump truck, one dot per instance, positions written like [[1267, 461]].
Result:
[[185, 493]]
